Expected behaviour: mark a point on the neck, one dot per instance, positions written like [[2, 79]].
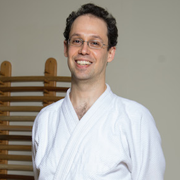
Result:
[[83, 95]]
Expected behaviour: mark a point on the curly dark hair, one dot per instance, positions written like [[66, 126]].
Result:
[[98, 12]]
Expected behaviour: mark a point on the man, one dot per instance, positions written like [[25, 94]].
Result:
[[92, 134]]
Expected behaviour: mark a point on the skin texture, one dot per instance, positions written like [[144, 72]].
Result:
[[88, 80]]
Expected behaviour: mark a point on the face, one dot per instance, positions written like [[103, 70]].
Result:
[[86, 63]]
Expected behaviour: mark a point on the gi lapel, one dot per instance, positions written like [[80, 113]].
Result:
[[67, 120], [79, 132]]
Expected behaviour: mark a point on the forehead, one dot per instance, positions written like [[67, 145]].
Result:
[[89, 25]]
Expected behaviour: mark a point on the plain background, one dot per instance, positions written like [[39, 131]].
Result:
[[146, 67]]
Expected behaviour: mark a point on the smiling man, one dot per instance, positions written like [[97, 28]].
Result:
[[87, 51], [92, 134]]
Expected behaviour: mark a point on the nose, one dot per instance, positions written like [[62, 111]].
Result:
[[84, 49]]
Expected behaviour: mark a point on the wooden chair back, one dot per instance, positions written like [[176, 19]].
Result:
[[20, 101]]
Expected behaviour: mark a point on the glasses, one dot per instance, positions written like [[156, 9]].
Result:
[[93, 44]]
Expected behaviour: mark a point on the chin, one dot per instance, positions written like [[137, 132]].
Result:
[[81, 77]]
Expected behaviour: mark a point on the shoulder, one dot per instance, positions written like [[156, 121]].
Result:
[[132, 106], [136, 121], [53, 108], [42, 120], [130, 111], [127, 106], [134, 111]]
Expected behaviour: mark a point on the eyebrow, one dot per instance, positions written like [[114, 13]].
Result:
[[93, 36]]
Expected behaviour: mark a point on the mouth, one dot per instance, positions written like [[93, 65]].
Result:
[[83, 62]]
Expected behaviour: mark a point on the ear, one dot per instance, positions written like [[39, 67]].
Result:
[[65, 48], [111, 54]]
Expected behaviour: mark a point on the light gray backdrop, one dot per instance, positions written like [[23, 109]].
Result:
[[147, 63]]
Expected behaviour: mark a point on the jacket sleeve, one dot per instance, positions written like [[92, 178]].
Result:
[[34, 149], [150, 161]]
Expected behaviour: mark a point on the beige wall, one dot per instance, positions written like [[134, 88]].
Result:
[[147, 63]]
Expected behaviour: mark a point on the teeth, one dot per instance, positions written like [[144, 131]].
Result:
[[83, 62]]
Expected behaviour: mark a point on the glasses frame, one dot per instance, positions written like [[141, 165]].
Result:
[[82, 42]]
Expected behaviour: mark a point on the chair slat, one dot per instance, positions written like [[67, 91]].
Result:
[[35, 79], [33, 89], [16, 147], [15, 177], [16, 167], [17, 118], [30, 98], [15, 128], [21, 108], [15, 138], [15, 157]]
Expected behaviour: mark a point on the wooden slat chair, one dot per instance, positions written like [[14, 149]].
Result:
[[17, 113]]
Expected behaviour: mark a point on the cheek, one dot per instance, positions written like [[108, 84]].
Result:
[[104, 58], [71, 52], [97, 55]]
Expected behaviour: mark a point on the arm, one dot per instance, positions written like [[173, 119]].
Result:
[[34, 150], [149, 155]]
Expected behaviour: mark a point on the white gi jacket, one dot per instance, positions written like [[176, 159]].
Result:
[[116, 139]]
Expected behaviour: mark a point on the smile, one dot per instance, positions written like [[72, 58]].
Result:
[[83, 62]]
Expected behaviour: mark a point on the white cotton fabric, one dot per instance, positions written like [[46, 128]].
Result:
[[116, 139]]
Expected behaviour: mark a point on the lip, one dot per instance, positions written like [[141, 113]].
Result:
[[83, 61]]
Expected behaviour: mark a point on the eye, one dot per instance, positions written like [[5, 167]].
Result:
[[76, 41], [95, 43]]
